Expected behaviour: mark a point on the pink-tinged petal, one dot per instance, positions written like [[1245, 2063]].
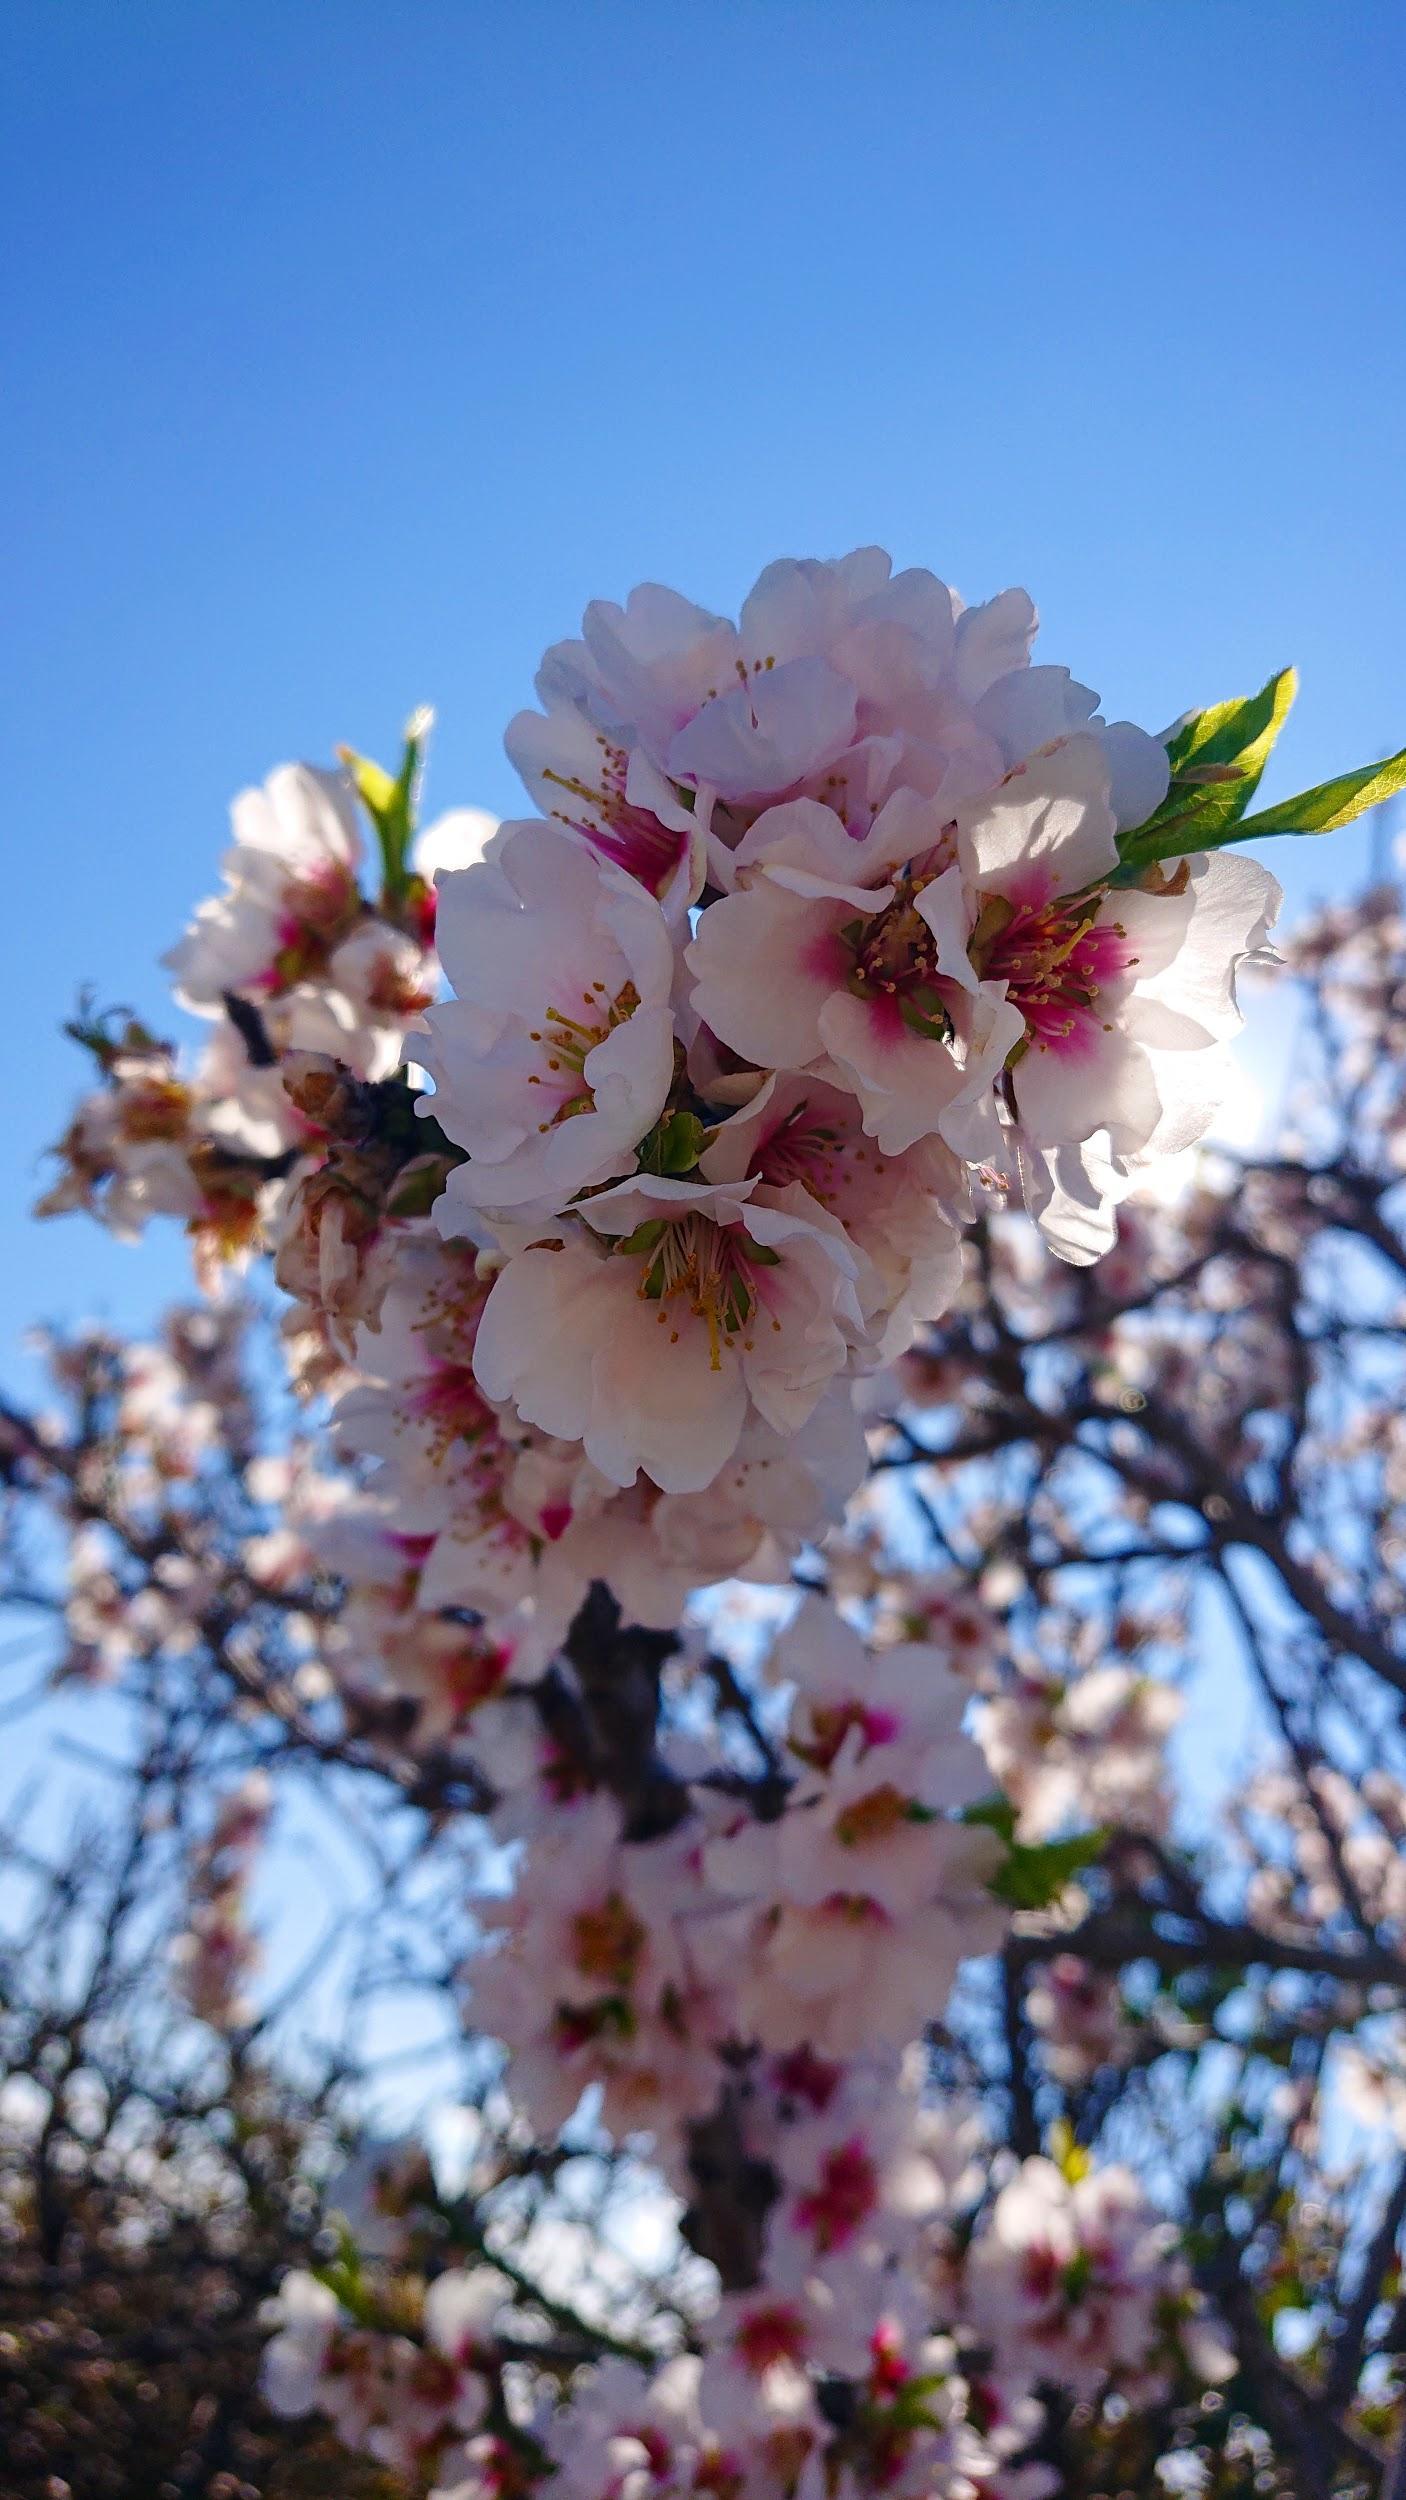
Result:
[[798, 605], [1156, 1026], [993, 639], [558, 1057], [763, 964], [1046, 830], [633, 1202], [903, 1079], [605, 797], [1139, 773], [661, 1402], [654, 661], [1094, 1079], [865, 899], [1234, 904], [1072, 1192], [943, 906], [537, 1335], [761, 737], [909, 828], [1033, 707], [1192, 1088], [803, 834], [1154, 926], [460, 2307], [309, 811]]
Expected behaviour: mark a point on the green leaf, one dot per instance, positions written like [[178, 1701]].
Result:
[[1332, 804], [1216, 758], [390, 804], [1034, 1875], [996, 1813], [1236, 736]]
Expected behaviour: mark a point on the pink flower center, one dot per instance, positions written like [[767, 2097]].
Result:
[[450, 1400], [845, 2197], [873, 1817], [1041, 2273], [1056, 958], [893, 966], [607, 1942], [802, 2076], [805, 1146], [830, 1724], [472, 1673], [888, 2370], [768, 2335], [315, 911]]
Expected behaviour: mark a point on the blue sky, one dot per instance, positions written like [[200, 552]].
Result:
[[352, 348]]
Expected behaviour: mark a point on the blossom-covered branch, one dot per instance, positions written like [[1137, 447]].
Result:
[[749, 1489]]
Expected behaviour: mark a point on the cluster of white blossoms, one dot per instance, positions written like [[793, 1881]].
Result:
[[742, 1984], [831, 1925], [392, 2397], [823, 939], [293, 957], [822, 926]]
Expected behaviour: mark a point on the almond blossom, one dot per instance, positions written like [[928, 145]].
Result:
[[853, 954], [291, 880], [603, 1977], [1124, 992], [867, 1892], [557, 1056], [694, 1305], [1070, 2272]]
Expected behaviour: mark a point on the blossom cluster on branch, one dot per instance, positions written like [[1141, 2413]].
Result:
[[777, 1220]]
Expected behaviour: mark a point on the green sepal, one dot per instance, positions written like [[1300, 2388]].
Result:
[[911, 2407], [673, 1145], [645, 1237], [924, 1013], [94, 1032], [996, 1814], [343, 2276]]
